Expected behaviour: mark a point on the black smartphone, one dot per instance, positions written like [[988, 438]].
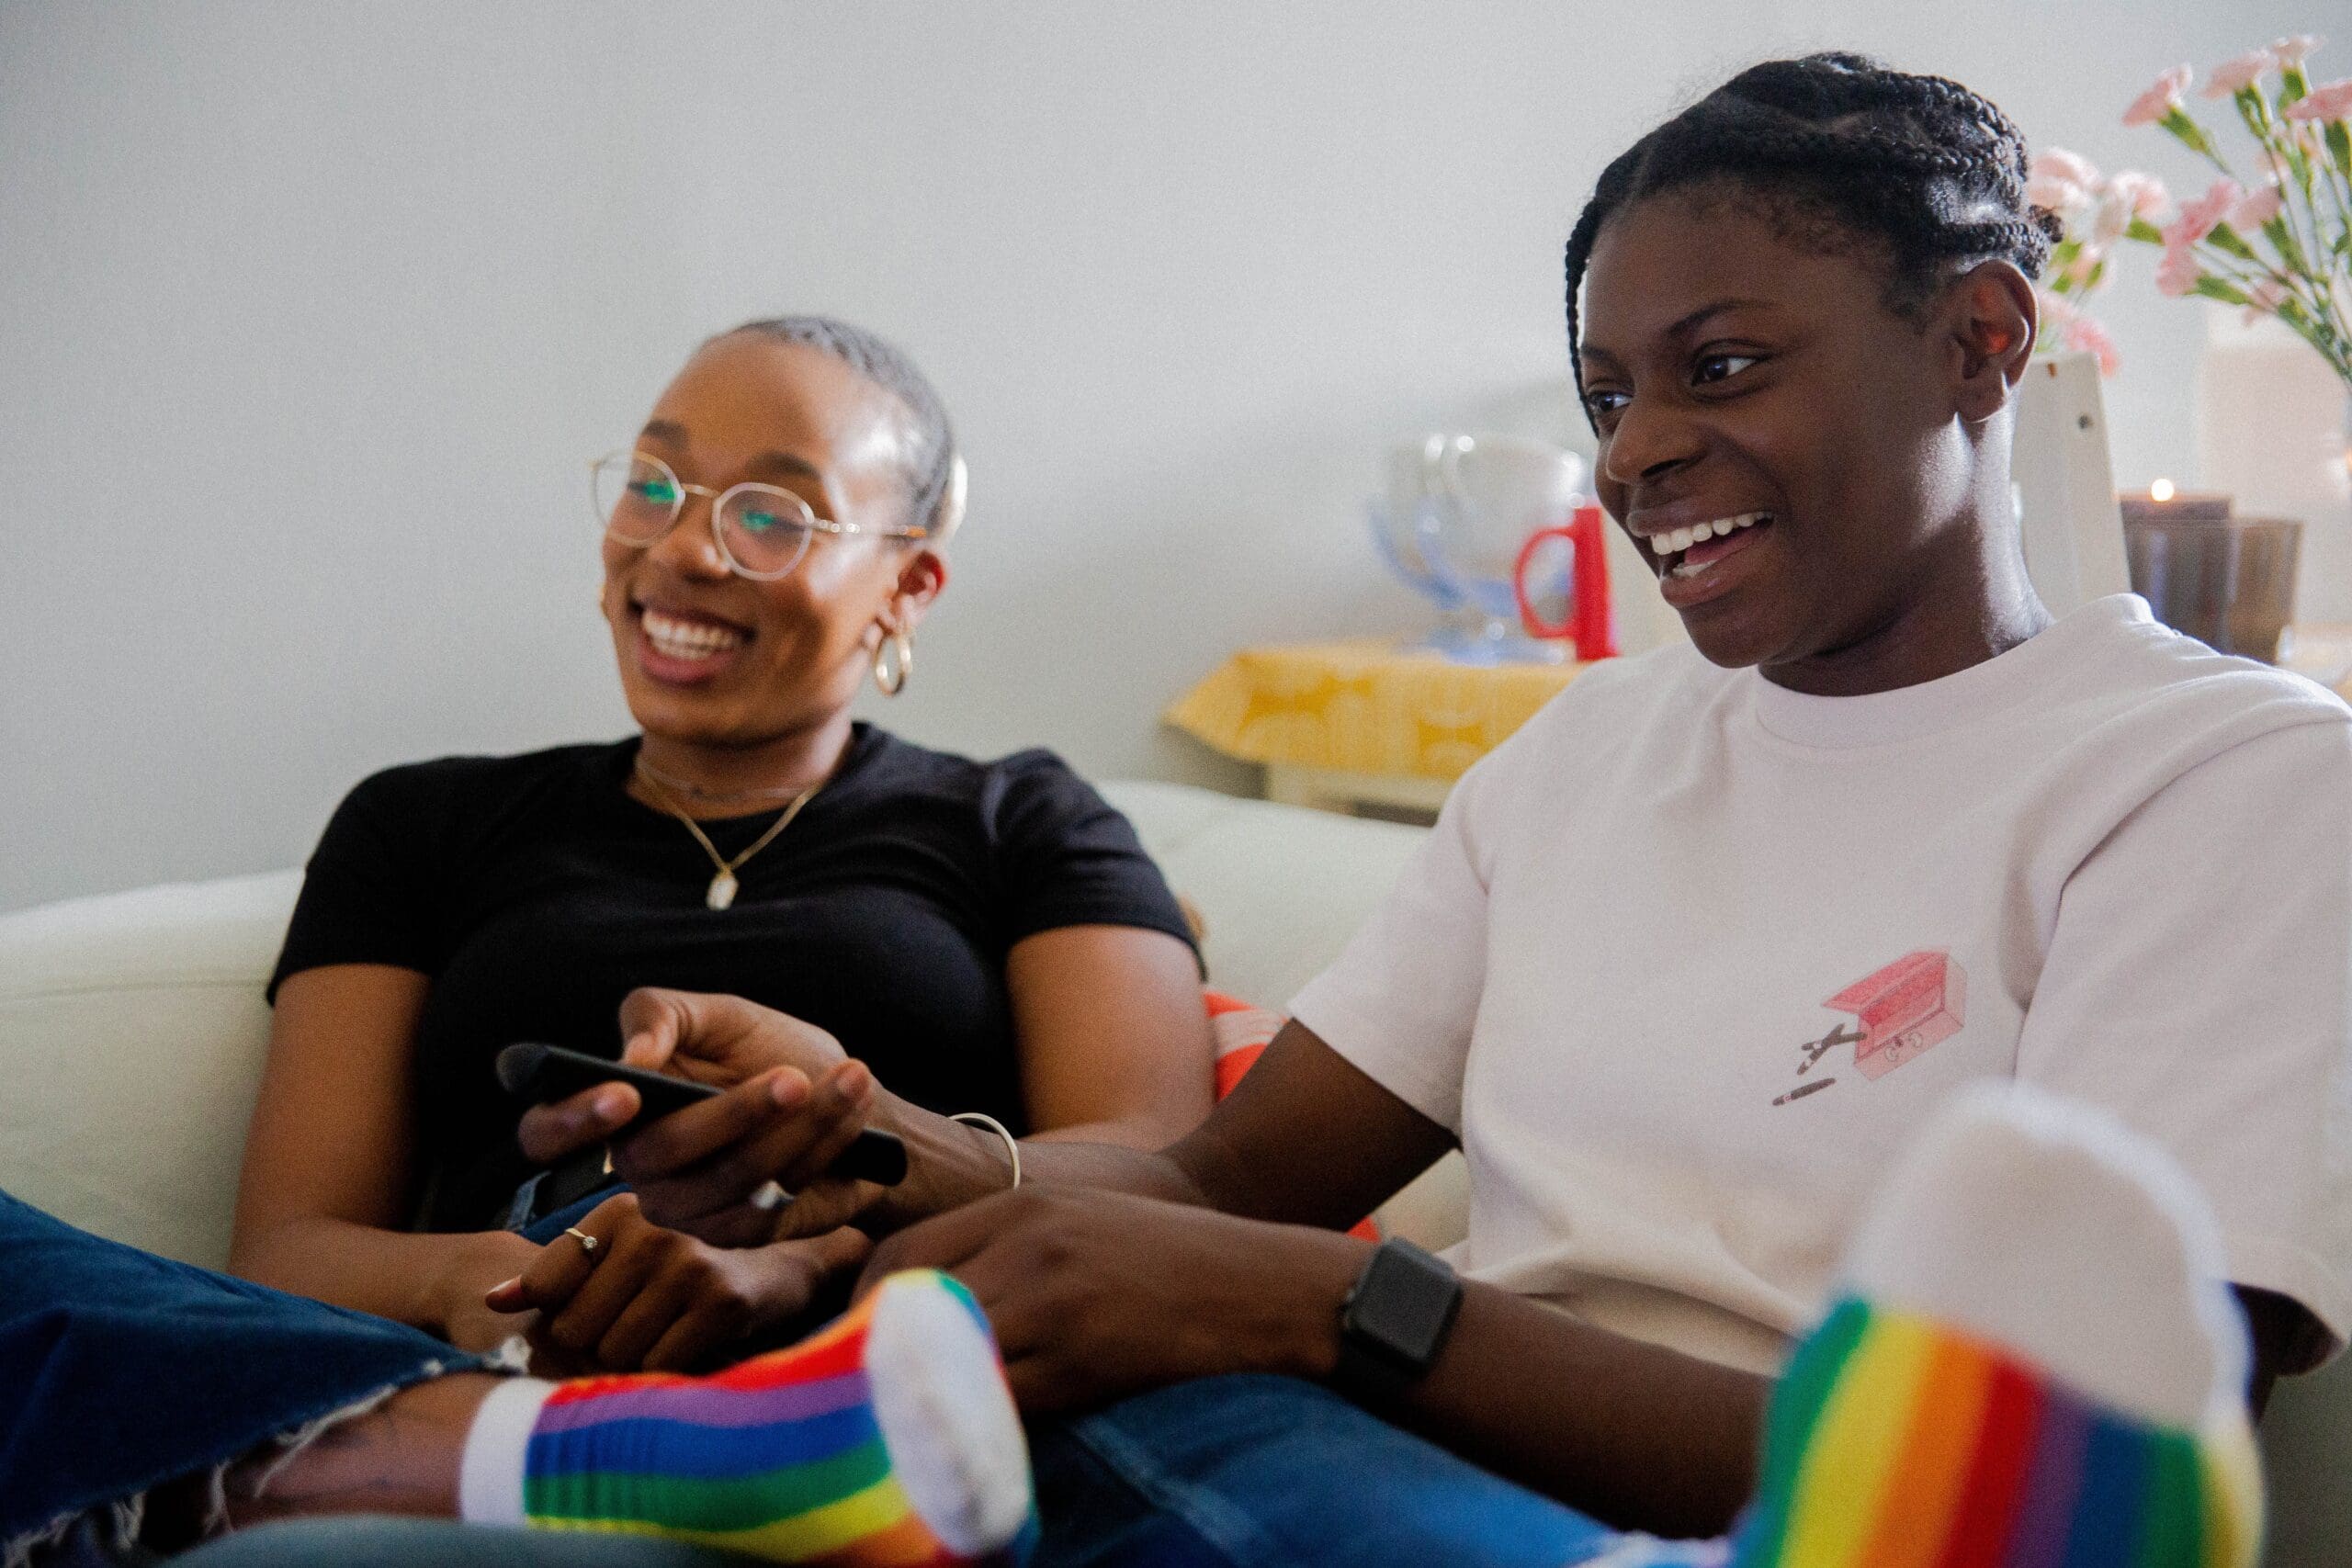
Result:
[[544, 1073]]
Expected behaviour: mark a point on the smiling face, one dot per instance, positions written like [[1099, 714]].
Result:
[[1803, 466], [708, 658]]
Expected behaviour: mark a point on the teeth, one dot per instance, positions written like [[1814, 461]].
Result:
[[1674, 541], [675, 638]]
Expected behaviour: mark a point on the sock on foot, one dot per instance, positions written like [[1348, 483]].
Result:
[[890, 1439], [2031, 1362]]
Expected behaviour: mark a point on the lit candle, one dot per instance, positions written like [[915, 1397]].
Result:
[[2164, 503], [2227, 580]]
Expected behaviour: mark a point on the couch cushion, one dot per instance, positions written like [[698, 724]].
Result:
[[131, 1031], [1280, 887]]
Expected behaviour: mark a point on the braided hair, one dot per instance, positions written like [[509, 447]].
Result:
[[1844, 150], [936, 496]]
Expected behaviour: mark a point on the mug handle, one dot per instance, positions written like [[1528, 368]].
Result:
[[1537, 626], [1589, 620]]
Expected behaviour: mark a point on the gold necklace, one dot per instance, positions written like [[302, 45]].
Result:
[[723, 886]]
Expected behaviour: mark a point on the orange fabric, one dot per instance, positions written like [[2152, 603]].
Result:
[[1231, 1065], [1242, 1031]]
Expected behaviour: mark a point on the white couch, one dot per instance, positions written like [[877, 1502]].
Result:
[[133, 1029]]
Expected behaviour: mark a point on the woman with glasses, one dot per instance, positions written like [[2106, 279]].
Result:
[[987, 939]]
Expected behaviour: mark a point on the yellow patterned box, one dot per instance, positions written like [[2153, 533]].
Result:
[[1363, 707]]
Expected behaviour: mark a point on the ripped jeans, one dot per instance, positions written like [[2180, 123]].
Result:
[[120, 1370]]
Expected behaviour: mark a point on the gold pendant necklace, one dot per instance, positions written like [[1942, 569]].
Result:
[[723, 886]]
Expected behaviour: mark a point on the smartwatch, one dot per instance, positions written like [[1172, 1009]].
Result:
[[1395, 1318]]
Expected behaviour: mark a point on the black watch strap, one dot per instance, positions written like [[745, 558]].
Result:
[[1395, 1319]]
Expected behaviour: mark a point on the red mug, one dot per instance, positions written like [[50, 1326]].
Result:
[[1587, 622]]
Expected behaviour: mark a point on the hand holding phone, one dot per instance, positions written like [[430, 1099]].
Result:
[[542, 1074]]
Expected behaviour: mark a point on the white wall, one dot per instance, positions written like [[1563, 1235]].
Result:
[[311, 314]]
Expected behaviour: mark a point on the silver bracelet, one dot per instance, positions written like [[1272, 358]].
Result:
[[1012, 1144]]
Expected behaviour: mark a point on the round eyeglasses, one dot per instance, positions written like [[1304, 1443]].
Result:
[[761, 529]]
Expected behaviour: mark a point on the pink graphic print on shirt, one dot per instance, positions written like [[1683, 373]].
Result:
[[1914, 1003]]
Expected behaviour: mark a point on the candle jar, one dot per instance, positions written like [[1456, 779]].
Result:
[[2227, 581], [2183, 506]]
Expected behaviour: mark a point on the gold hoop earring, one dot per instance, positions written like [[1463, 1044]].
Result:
[[887, 681]]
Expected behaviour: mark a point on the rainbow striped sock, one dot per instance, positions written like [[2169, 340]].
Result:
[[887, 1441], [1895, 1441], [2030, 1360]]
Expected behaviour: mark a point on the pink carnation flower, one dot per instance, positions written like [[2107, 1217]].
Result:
[[2160, 99], [2263, 298], [2087, 336], [2291, 53], [2144, 192], [2065, 165], [2198, 218], [2058, 180], [2178, 272], [2333, 101], [2056, 195], [2256, 208], [2111, 215], [2243, 72]]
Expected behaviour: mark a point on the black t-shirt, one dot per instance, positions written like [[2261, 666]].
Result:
[[537, 893]]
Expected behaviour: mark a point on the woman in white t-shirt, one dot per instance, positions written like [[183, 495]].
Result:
[[1687, 962]]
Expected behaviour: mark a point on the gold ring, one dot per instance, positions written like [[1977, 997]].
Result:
[[588, 1243]]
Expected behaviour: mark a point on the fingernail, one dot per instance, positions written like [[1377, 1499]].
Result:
[[853, 1082], [503, 1286], [611, 1105], [788, 1090]]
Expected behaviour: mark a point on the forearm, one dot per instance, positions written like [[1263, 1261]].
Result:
[[1634, 1434], [411, 1278], [950, 1163], [1144, 1134]]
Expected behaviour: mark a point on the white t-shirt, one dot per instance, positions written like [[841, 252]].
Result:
[[1687, 959]]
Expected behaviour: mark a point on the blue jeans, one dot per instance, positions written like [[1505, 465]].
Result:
[[120, 1370], [1273, 1473]]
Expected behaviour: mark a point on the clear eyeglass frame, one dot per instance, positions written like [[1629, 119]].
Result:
[[613, 471]]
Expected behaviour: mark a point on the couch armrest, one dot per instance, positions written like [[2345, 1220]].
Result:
[[132, 1031]]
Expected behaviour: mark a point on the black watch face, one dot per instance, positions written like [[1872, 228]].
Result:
[[1404, 1304]]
